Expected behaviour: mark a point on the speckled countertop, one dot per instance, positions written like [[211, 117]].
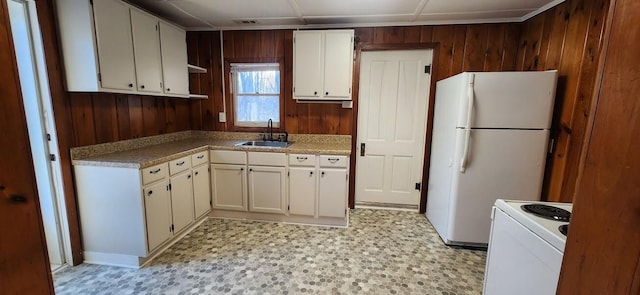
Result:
[[160, 149]]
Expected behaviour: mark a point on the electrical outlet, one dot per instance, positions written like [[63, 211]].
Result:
[[222, 117]]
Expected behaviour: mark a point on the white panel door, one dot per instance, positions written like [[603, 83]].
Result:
[[332, 193], [173, 46], [502, 164], [201, 190], [115, 44], [394, 94], [229, 187], [182, 200], [307, 62], [338, 63], [267, 189], [302, 191], [146, 45], [157, 205]]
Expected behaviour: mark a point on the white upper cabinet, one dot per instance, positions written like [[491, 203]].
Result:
[[146, 47], [323, 64], [174, 60], [115, 45], [111, 46]]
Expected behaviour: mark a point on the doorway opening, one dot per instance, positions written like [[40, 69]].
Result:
[[36, 96], [392, 115]]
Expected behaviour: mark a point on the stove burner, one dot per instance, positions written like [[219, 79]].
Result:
[[564, 229], [546, 211]]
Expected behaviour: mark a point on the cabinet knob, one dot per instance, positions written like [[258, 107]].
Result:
[[241, 169], [141, 86], [326, 93], [322, 173], [130, 85], [149, 193], [310, 173], [196, 173], [315, 93], [251, 170], [189, 176], [168, 89]]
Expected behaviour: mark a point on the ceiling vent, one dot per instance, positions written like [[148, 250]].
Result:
[[245, 21]]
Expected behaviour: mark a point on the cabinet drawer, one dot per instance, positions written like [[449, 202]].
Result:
[[333, 161], [199, 158], [154, 173], [267, 159], [228, 157], [179, 165], [302, 160]]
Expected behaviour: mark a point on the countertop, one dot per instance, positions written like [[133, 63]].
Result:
[[155, 154]]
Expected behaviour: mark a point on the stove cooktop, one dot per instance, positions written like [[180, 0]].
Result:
[[548, 212]]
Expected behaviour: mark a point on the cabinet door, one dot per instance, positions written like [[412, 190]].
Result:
[[267, 189], [201, 190], [307, 64], [182, 201], [302, 190], [173, 46], [146, 46], [332, 192], [229, 187], [157, 207], [115, 45], [338, 62]]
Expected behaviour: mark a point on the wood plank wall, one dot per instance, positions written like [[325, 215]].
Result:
[[484, 47], [567, 38]]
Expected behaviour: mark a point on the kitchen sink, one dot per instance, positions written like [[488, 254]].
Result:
[[260, 143]]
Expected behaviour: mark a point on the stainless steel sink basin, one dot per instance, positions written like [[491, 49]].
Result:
[[270, 144]]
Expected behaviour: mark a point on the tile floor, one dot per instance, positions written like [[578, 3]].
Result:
[[382, 252]]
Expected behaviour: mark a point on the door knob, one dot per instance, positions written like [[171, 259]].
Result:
[[17, 199]]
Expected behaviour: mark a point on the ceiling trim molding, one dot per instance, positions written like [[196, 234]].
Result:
[[358, 25], [541, 10], [419, 9], [296, 9], [189, 14]]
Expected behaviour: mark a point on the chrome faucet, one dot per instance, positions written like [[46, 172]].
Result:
[[270, 126]]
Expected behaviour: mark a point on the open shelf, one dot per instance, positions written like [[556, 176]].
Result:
[[198, 96], [196, 69]]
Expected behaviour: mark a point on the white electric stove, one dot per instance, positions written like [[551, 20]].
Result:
[[525, 247]]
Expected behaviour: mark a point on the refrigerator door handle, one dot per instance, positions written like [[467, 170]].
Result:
[[467, 129]]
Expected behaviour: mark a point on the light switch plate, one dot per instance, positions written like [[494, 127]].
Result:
[[222, 117]]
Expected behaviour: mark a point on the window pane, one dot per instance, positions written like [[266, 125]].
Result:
[[257, 108], [258, 82]]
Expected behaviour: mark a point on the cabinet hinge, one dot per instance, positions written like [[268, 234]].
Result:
[[156, 27], [418, 186], [170, 228], [288, 173], [100, 77], [173, 228], [169, 186], [288, 207], [349, 90], [52, 157], [48, 137], [427, 69]]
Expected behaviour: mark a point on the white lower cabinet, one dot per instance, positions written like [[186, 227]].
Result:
[[229, 187], [129, 215], [182, 209], [302, 190], [267, 189], [201, 190], [332, 192], [157, 208]]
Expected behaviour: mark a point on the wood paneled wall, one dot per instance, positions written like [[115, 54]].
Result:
[[567, 38], [491, 47]]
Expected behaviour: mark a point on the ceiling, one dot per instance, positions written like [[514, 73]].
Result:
[[275, 14]]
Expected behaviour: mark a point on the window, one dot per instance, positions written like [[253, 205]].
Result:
[[256, 94]]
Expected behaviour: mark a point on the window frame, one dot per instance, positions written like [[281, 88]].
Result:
[[230, 95]]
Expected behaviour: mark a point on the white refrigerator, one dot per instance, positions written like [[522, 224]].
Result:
[[490, 141]]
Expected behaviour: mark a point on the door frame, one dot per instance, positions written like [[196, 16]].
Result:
[[360, 47]]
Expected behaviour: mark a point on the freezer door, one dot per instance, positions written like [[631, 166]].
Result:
[[501, 164], [508, 99]]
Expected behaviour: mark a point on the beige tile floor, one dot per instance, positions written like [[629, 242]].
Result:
[[382, 252]]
